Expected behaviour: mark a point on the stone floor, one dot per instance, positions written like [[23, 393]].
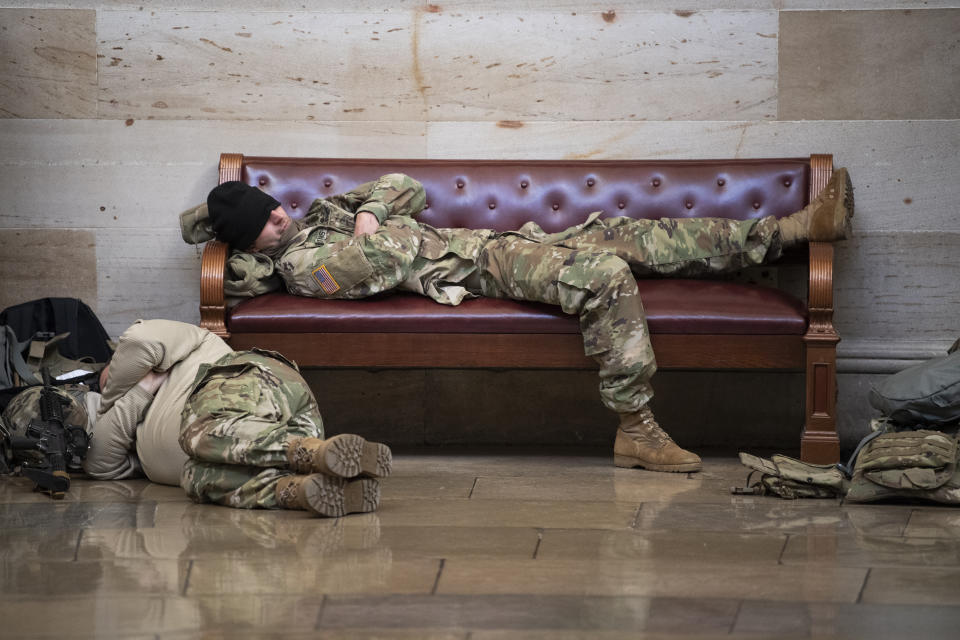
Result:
[[480, 546]]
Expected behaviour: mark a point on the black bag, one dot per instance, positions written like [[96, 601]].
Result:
[[87, 338], [59, 333]]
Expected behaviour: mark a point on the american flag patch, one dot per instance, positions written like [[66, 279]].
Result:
[[325, 280]]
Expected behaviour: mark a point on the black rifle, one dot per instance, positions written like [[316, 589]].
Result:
[[60, 444]]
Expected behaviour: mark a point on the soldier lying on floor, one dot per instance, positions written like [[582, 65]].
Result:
[[367, 241], [239, 428]]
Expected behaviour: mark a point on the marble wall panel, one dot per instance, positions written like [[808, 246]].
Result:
[[106, 174], [123, 274], [904, 172], [110, 196], [145, 273], [900, 286], [539, 6], [571, 66], [40, 263], [439, 66], [683, 7], [861, 65], [48, 65], [149, 143], [262, 66]]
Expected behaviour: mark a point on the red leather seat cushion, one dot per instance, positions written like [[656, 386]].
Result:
[[672, 306]]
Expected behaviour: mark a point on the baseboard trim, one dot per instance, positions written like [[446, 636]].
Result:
[[885, 356]]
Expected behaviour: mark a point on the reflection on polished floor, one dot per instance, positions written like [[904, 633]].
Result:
[[481, 546]]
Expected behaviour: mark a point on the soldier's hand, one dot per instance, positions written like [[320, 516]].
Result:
[[152, 381], [365, 223]]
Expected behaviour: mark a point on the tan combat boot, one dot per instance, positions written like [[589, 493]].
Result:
[[825, 219], [642, 443], [328, 496], [343, 456]]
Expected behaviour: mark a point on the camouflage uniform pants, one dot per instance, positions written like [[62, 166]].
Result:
[[590, 273], [236, 424]]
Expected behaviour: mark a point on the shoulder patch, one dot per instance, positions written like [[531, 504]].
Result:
[[325, 280]]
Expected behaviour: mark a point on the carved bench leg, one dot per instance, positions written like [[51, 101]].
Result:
[[820, 443]]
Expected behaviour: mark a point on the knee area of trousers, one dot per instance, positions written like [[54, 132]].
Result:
[[618, 273], [601, 274], [612, 264]]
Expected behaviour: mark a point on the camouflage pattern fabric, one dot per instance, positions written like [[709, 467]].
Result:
[[585, 269], [790, 478], [325, 260], [589, 272], [919, 464], [242, 412], [248, 275], [595, 286], [682, 247]]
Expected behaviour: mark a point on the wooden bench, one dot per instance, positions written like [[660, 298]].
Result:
[[695, 324]]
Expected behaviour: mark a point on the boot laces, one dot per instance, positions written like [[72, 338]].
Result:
[[653, 431], [287, 495]]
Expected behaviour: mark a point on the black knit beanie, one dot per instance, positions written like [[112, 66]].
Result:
[[238, 213]]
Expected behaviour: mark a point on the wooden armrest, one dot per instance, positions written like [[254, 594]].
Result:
[[213, 310], [820, 292]]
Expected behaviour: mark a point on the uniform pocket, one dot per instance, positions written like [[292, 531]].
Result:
[[432, 247], [339, 272]]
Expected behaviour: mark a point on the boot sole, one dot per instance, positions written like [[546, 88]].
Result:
[[629, 462], [349, 455], [841, 215], [845, 210], [848, 199], [336, 497]]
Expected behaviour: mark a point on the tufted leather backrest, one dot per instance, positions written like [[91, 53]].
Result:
[[503, 194]]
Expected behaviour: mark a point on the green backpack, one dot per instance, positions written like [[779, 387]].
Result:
[[911, 463]]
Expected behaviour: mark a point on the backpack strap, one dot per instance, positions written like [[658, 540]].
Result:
[[847, 469], [40, 345], [25, 373]]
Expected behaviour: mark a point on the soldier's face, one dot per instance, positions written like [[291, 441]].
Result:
[[103, 378], [272, 232]]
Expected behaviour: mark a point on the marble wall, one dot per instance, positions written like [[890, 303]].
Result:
[[113, 115]]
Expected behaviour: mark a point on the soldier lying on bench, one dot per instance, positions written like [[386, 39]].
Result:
[[368, 241]]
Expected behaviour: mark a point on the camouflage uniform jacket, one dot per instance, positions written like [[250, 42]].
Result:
[[134, 429], [325, 260]]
